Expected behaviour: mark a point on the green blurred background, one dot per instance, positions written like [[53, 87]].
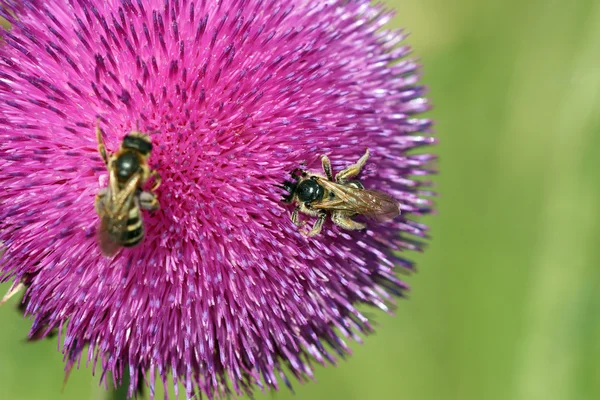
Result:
[[506, 303]]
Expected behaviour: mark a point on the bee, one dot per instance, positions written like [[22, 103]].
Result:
[[118, 205], [318, 195]]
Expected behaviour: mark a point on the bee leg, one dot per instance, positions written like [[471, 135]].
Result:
[[353, 170], [345, 222], [316, 229], [296, 219], [327, 167], [148, 201], [157, 180], [101, 147]]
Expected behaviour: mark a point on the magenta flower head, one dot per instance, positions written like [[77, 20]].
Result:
[[224, 293]]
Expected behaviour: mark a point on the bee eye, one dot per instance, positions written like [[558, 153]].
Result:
[[309, 190], [289, 187]]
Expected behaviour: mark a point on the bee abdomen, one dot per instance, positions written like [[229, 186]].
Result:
[[135, 229]]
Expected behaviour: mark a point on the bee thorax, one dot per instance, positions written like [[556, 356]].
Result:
[[309, 190], [127, 164]]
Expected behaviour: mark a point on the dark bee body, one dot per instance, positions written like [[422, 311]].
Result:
[[317, 195], [118, 205]]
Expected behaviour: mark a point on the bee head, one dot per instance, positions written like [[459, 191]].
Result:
[[289, 187], [138, 141]]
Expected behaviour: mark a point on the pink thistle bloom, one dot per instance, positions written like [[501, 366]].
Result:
[[224, 291]]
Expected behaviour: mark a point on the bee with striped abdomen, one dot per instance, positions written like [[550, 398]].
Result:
[[343, 197], [118, 205]]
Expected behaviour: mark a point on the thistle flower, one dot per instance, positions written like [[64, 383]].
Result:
[[224, 292]]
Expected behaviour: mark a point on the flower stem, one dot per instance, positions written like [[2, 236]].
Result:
[[120, 392]]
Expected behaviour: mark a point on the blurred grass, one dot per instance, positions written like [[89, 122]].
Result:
[[506, 303]]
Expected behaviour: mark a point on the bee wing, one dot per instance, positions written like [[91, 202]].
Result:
[[107, 237], [370, 203], [112, 223], [384, 206]]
